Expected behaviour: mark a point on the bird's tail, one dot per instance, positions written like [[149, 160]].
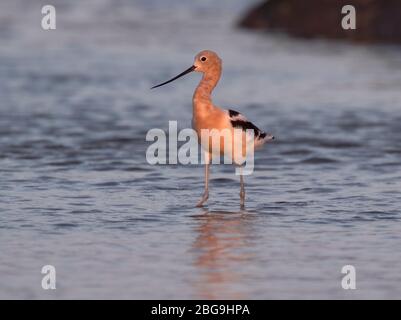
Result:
[[262, 139], [266, 137]]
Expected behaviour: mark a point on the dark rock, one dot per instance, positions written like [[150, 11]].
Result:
[[376, 20]]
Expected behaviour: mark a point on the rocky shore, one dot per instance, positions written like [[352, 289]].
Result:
[[376, 20]]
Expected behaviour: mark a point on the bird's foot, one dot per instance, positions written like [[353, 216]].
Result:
[[204, 199]]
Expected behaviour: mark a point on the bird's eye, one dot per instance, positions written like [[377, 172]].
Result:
[[203, 58]]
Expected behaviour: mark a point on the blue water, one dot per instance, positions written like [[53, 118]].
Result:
[[76, 191]]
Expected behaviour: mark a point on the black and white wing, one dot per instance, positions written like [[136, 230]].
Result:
[[240, 121]]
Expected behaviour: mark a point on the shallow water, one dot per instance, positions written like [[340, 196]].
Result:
[[76, 191]]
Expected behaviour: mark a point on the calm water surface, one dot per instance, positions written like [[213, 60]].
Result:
[[76, 191]]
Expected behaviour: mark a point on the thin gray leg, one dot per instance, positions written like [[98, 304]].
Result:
[[242, 191], [206, 192]]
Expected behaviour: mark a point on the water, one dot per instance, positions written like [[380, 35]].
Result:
[[76, 191]]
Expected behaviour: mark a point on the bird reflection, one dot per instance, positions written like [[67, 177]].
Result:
[[222, 254]]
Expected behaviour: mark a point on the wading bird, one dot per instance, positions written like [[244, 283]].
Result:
[[207, 116]]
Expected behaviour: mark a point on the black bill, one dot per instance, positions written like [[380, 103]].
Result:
[[176, 77]]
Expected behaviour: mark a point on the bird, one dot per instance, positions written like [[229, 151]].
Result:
[[208, 116]]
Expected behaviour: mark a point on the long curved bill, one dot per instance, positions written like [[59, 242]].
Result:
[[176, 77]]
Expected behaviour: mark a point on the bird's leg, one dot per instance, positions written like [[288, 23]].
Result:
[[206, 192], [242, 191]]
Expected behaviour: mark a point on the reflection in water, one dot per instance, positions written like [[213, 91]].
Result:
[[222, 254]]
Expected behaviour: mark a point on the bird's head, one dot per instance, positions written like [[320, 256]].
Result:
[[206, 61]]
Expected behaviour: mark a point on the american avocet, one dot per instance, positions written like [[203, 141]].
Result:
[[207, 116]]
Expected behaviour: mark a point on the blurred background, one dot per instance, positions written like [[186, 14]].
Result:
[[76, 191]]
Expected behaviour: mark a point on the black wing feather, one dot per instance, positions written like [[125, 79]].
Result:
[[239, 121]]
